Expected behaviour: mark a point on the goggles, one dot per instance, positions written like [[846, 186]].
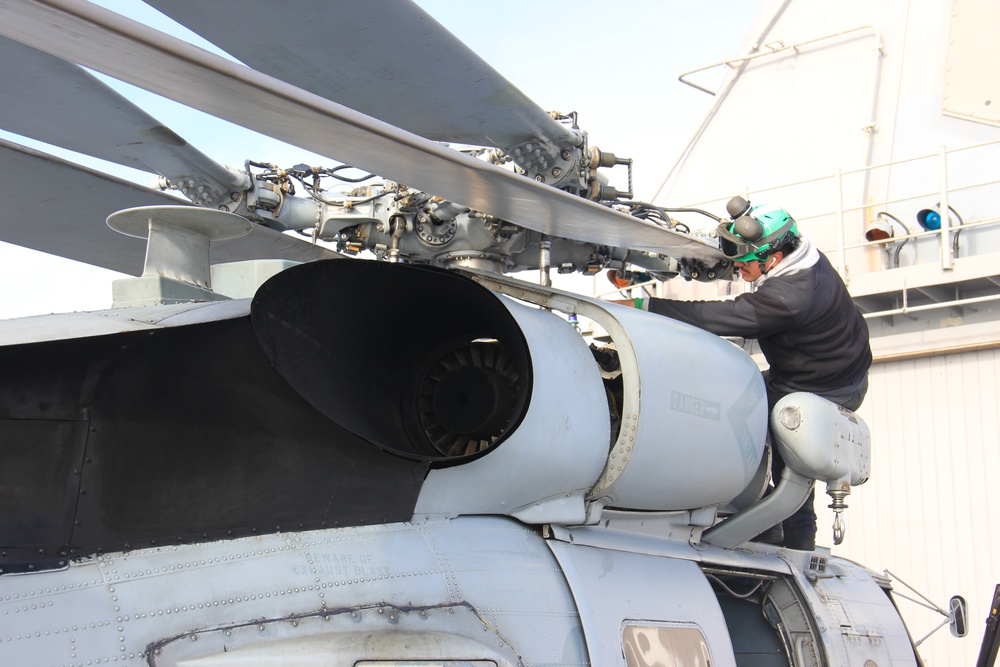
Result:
[[733, 246], [739, 249]]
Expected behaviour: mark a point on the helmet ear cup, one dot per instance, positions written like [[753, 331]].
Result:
[[748, 228], [737, 206]]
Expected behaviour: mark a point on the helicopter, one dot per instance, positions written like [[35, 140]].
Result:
[[192, 479]]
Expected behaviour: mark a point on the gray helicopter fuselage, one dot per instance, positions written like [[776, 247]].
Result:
[[440, 475], [472, 589]]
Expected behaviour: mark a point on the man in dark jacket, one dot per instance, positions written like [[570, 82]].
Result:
[[809, 330]]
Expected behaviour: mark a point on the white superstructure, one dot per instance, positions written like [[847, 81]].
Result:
[[840, 111]]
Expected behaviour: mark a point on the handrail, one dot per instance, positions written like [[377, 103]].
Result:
[[942, 194], [859, 170], [954, 303], [839, 240], [985, 222], [730, 62]]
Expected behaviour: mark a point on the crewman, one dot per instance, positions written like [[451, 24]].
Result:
[[809, 330]]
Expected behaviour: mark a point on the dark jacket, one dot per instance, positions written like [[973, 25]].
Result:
[[809, 329]]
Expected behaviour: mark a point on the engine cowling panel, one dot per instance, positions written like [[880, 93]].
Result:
[[506, 400]]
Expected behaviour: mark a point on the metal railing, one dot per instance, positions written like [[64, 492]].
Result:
[[862, 213]]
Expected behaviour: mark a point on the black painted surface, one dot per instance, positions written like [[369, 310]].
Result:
[[177, 435], [395, 330]]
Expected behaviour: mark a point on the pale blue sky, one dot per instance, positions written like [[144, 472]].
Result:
[[616, 64]]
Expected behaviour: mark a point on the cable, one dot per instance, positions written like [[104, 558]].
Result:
[[741, 596], [333, 173], [660, 215]]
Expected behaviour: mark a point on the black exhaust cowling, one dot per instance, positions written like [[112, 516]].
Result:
[[417, 360]]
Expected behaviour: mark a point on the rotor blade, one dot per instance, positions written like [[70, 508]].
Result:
[[385, 58], [135, 53], [61, 208], [62, 104]]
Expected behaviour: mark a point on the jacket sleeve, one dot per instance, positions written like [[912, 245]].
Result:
[[752, 315]]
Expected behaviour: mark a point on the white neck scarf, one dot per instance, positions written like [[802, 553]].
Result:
[[804, 257]]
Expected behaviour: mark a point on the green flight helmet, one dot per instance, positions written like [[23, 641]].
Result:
[[755, 233]]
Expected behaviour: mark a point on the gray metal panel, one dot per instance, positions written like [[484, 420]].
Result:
[[64, 326], [856, 620], [385, 579], [614, 586], [542, 472], [694, 434]]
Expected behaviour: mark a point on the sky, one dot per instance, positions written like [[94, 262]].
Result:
[[615, 64]]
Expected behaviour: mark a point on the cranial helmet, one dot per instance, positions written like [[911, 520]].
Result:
[[756, 232]]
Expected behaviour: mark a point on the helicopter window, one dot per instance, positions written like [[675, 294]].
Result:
[[648, 643]]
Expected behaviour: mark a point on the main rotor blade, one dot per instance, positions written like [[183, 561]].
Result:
[[388, 59], [60, 103], [61, 208], [119, 47]]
